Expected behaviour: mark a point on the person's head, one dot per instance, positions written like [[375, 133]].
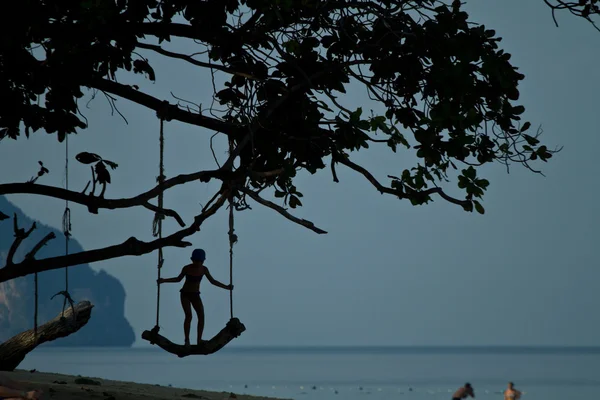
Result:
[[511, 385], [468, 385], [198, 256]]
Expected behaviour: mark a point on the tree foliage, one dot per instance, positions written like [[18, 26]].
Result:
[[443, 89]]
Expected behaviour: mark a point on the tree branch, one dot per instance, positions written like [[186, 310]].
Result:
[[172, 29], [20, 235], [95, 203], [193, 61], [164, 211], [130, 247], [281, 210], [172, 111], [39, 245], [395, 192]]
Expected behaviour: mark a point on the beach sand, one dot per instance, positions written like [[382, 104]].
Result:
[[69, 387]]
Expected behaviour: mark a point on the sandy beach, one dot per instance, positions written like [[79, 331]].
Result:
[[69, 387]]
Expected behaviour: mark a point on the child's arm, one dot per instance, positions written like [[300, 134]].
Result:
[[178, 278], [216, 282]]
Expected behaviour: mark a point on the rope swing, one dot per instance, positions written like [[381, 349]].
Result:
[[234, 327], [66, 228], [232, 240], [158, 220]]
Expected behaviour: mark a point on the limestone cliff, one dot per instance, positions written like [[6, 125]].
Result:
[[107, 327]]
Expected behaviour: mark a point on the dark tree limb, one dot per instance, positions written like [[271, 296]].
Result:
[[95, 203], [282, 211], [39, 245], [14, 350], [402, 195], [192, 60], [173, 112], [265, 175], [165, 211], [20, 235], [233, 329], [130, 247]]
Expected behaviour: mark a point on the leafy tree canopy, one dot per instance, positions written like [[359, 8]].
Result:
[[445, 90]]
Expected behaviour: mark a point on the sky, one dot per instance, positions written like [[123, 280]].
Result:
[[387, 273]]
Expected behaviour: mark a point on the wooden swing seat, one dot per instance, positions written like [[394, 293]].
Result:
[[233, 329]]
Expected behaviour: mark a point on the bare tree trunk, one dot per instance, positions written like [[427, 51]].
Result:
[[233, 329], [14, 350]]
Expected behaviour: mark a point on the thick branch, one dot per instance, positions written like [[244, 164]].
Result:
[[173, 112], [20, 235], [395, 192], [266, 174], [95, 203], [14, 350], [282, 211], [130, 247]]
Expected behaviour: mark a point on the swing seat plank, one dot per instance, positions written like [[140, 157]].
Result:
[[14, 350], [233, 329]]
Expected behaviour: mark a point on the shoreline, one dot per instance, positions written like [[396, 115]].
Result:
[[71, 387]]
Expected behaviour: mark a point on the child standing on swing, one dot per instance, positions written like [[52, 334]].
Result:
[[190, 292]]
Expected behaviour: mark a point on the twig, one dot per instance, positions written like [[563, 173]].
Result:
[[282, 211], [165, 211], [20, 235], [39, 245], [193, 61], [398, 193]]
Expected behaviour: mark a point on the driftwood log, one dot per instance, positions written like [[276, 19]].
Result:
[[233, 329], [14, 350]]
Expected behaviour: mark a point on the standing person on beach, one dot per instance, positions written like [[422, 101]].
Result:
[[10, 390], [511, 393], [464, 392], [190, 292]]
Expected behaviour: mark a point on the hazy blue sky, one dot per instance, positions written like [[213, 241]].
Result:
[[387, 272]]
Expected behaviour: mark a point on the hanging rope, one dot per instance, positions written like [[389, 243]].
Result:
[[232, 240], [66, 224], [35, 311], [158, 219]]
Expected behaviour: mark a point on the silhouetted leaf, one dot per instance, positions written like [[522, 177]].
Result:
[[112, 165], [479, 207], [142, 66], [87, 158], [102, 174], [294, 201]]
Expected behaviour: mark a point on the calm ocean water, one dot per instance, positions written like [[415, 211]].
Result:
[[344, 373]]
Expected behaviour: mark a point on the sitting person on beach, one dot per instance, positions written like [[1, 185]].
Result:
[[10, 390], [190, 292], [464, 392], [511, 393]]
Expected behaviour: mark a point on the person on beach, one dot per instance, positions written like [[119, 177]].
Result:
[[511, 393], [464, 392], [10, 390], [190, 292]]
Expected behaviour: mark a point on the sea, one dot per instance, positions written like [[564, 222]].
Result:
[[349, 373]]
